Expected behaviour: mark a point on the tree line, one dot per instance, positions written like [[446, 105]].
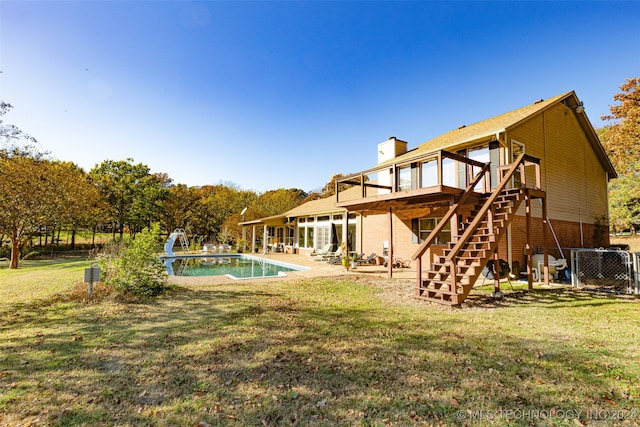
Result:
[[38, 193]]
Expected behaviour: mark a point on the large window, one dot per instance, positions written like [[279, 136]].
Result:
[[422, 227], [404, 175], [429, 173], [316, 232]]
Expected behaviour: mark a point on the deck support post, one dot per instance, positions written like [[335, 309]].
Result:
[[544, 241], [253, 239], [418, 275], [390, 255], [265, 233], [345, 232], [528, 248], [496, 274]]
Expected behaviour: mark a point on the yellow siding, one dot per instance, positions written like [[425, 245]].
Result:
[[572, 176]]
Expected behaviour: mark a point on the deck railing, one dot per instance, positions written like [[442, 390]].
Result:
[[385, 179]]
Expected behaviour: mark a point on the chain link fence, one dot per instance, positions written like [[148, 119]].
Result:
[[604, 269]]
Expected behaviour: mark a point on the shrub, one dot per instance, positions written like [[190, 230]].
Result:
[[132, 266]]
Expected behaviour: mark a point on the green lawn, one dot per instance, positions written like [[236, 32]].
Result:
[[317, 352]]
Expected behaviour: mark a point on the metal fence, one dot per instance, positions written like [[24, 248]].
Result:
[[604, 269]]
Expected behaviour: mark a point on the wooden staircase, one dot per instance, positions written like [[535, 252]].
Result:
[[452, 275], [467, 257]]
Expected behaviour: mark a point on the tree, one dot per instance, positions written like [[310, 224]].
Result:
[[133, 195], [83, 204], [10, 134], [275, 202], [621, 139], [330, 187], [36, 192], [216, 205], [179, 208]]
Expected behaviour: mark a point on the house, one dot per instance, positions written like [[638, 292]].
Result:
[[530, 180], [306, 228]]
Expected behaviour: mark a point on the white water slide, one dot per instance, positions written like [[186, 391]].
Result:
[[178, 233]]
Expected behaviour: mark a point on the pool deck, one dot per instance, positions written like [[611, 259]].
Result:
[[316, 269]]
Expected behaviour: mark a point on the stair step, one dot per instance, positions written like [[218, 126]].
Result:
[[439, 297], [440, 279]]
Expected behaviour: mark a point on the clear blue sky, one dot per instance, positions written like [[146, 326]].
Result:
[[286, 94]]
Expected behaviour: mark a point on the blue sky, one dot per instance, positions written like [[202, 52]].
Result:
[[286, 94]]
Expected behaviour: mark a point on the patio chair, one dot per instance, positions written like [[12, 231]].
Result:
[[331, 255], [367, 260], [207, 248], [322, 252]]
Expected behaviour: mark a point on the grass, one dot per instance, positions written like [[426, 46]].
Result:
[[317, 352], [632, 241]]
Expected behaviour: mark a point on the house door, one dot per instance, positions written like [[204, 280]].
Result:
[[517, 149]]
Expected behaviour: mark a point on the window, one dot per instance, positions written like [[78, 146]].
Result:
[[429, 173], [422, 227], [310, 231], [449, 172], [404, 175]]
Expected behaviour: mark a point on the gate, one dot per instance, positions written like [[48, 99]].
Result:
[[603, 269]]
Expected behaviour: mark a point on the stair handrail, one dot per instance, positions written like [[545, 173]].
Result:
[[487, 205], [452, 210]]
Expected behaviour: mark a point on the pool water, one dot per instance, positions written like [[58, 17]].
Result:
[[234, 266]]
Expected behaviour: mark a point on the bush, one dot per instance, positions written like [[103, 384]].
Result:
[[133, 267]]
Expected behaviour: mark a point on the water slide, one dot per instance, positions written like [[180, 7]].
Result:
[[177, 234]]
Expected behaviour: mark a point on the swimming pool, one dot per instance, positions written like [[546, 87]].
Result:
[[233, 266]]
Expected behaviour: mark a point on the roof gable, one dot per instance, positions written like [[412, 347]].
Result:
[[489, 128]]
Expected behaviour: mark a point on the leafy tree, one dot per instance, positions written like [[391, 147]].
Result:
[[275, 202], [621, 139], [132, 266], [624, 203], [311, 196], [329, 188], [36, 192], [133, 195], [83, 206], [216, 205], [179, 208]]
